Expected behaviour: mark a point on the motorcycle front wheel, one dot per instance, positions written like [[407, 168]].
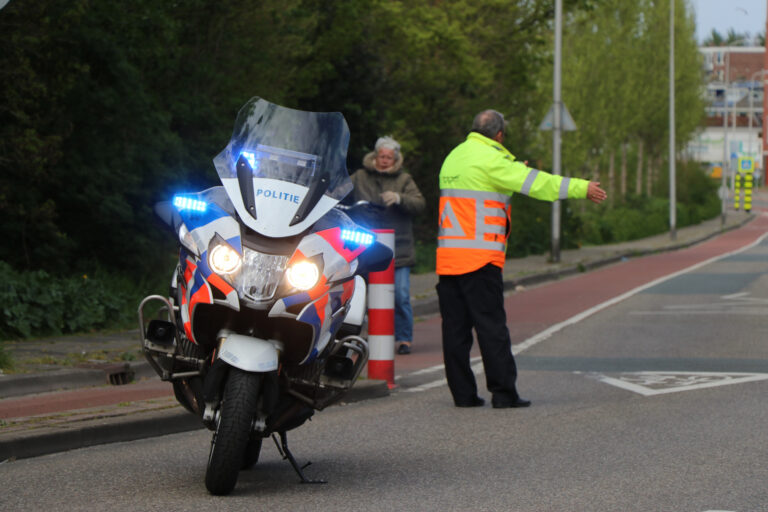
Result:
[[252, 452], [233, 431]]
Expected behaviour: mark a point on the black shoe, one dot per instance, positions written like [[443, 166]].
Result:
[[404, 349], [505, 404], [475, 402]]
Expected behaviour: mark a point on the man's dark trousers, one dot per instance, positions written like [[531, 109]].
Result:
[[476, 300]]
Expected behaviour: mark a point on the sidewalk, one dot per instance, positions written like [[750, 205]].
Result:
[[89, 401]]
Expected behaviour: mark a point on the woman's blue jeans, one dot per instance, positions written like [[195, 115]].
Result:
[[403, 311]]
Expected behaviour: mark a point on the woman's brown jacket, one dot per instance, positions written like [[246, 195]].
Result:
[[370, 183]]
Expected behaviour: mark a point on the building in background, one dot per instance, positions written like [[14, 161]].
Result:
[[734, 88]]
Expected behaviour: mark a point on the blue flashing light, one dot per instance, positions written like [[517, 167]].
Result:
[[251, 157], [188, 203], [357, 237]]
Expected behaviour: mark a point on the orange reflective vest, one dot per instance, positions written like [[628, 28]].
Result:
[[477, 181]]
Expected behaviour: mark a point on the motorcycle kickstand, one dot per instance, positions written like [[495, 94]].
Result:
[[282, 447]]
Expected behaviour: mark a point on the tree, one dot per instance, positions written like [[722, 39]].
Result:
[[734, 38], [420, 70], [616, 86], [109, 108], [714, 39]]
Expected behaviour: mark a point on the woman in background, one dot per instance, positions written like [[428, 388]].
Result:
[[382, 181]]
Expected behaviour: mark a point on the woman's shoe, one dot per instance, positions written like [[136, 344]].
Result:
[[404, 349]]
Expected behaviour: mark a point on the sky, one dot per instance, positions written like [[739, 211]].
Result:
[[722, 15]]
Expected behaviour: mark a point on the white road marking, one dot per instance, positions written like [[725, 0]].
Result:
[[543, 335], [752, 311], [659, 383], [736, 295], [735, 304], [477, 367]]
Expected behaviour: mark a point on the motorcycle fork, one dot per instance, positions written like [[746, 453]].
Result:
[[212, 388]]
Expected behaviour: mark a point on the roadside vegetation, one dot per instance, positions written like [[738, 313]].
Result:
[[37, 304], [6, 361], [108, 108]]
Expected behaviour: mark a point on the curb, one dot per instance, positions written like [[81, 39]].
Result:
[[68, 378], [130, 427], [33, 443], [54, 380]]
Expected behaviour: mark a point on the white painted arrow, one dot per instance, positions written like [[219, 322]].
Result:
[[657, 383]]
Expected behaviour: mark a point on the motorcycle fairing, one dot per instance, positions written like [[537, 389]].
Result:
[[276, 203], [249, 353], [324, 301], [328, 245], [322, 315], [202, 228], [200, 225], [283, 169], [194, 290]]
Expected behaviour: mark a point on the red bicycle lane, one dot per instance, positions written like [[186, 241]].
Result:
[[85, 398]]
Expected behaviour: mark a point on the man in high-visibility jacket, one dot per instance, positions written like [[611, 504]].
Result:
[[477, 180]]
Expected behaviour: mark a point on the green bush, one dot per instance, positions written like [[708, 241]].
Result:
[[38, 304], [531, 226], [6, 361], [426, 257]]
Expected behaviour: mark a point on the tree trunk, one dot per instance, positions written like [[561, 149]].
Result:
[[649, 178], [596, 178], [611, 176], [639, 176], [623, 171]]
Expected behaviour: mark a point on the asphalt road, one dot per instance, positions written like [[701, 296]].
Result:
[[655, 402]]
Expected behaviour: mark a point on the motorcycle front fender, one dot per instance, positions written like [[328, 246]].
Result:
[[248, 353]]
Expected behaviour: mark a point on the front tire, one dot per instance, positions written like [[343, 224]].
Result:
[[252, 452], [233, 430]]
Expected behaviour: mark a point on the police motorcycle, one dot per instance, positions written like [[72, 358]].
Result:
[[261, 326]]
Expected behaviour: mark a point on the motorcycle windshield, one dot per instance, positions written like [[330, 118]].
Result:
[[284, 169]]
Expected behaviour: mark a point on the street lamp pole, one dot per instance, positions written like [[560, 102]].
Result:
[[557, 127], [751, 107], [726, 160], [672, 178], [764, 148]]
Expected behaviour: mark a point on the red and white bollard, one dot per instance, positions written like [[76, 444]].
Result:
[[381, 316]]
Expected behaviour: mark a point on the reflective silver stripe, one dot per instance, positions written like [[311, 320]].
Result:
[[492, 211], [455, 237], [449, 215], [529, 181], [453, 243], [474, 194], [564, 188]]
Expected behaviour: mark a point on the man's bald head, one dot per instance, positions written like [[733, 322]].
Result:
[[489, 123]]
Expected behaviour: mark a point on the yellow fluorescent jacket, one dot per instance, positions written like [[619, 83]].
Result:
[[477, 181]]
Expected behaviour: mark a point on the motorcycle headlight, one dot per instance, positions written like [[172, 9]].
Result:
[[223, 259], [303, 275], [259, 274]]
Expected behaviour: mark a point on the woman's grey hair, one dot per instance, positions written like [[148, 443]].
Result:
[[388, 143], [489, 123]]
